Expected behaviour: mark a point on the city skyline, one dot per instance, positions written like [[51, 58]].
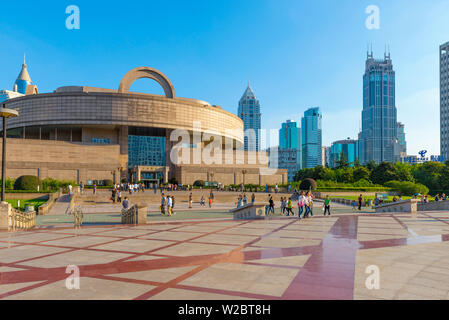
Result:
[[234, 45]]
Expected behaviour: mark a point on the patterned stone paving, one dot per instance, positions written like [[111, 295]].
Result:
[[277, 258]]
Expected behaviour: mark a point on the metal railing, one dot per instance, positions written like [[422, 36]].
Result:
[[19, 220], [129, 216]]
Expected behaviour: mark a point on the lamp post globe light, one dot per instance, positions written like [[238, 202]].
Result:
[[5, 113]]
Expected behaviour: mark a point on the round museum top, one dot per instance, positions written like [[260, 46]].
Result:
[[84, 105]]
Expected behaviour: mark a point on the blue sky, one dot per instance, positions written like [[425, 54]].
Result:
[[296, 54]]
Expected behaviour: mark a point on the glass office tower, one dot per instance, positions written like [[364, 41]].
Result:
[[378, 136], [350, 149], [249, 112], [289, 148], [311, 137], [444, 100]]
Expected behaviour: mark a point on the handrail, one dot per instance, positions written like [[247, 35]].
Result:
[[19, 220], [129, 216]]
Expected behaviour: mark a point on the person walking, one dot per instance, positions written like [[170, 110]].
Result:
[[190, 200], [290, 207], [300, 204], [113, 194], [173, 205], [271, 202], [245, 199], [210, 202], [310, 203], [163, 204], [119, 196], [81, 187], [239, 201], [94, 189], [306, 206], [211, 197], [253, 198], [360, 202], [202, 202], [327, 205], [169, 205]]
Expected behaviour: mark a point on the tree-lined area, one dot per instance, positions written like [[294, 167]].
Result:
[[423, 178]]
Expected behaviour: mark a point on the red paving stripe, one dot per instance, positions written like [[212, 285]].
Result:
[[314, 277], [27, 288], [328, 273], [440, 220], [236, 294], [234, 255]]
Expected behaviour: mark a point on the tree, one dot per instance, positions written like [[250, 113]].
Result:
[[443, 179], [384, 172], [342, 162], [357, 163], [361, 173], [304, 173], [347, 175], [404, 171], [428, 174], [318, 172], [328, 175], [371, 165]]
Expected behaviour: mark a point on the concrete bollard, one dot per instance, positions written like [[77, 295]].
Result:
[[5, 209], [142, 214]]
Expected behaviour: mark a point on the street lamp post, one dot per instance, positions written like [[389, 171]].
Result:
[[5, 113]]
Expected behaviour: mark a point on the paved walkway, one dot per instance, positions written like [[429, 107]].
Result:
[[277, 258], [60, 206]]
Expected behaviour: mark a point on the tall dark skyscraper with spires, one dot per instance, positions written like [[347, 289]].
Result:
[[379, 116], [249, 112]]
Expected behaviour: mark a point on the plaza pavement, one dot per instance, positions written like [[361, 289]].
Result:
[[218, 258]]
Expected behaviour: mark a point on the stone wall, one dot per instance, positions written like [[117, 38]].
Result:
[[61, 160], [410, 205], [434, 206]]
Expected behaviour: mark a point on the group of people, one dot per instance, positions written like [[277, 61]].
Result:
[[202, 200], [304, 203], [167, 204], [242, 199]]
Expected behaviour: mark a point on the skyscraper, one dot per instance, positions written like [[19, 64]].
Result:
[[350, 149], [249, 112], [444, 100], [289, 151], [379, 125], [311, 137], [400, 136]]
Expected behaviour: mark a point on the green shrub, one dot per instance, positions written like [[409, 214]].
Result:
[[50, 184], [406, 187], [27, 183], [308, 184]]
